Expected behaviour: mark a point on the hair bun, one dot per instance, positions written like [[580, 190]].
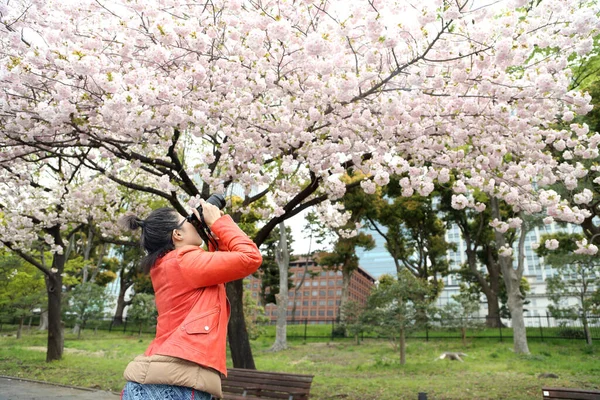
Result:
[[131, 222]]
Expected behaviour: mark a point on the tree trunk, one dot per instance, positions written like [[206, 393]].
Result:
[[239, 343], [463, 335], [282, 257], [55, 326], [515, 305], [346, 275], [402, 347], [512, 281], [20, 329], [586, 329], [43, 320], [121, 303]]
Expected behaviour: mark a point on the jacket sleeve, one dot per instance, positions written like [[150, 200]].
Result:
[[201, 268]]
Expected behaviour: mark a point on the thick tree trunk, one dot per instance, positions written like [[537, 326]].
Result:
[[282, 257], [512, 281], [55, 326], [239, 343], [490, 290], [121, 303], [515, 305]]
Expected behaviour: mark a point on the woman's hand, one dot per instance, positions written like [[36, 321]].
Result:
[[210, 212]]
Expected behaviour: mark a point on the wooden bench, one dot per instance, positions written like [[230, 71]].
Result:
[[570, 394], [249, 384]]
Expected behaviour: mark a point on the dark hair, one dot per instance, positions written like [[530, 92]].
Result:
[[156, 237]]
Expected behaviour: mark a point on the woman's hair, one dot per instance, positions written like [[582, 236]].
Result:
[[156, 238]]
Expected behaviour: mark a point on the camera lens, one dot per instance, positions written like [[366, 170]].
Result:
[[217, 200]]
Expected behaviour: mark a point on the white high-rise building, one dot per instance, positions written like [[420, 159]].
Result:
[[378, 262]]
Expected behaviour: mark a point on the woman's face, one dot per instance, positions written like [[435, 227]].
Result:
[[185, 234]]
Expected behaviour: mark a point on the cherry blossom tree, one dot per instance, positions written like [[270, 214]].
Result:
[[43, 205], [279, 98]]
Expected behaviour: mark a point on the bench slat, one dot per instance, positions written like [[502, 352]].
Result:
[[570, 394], [263, 385]]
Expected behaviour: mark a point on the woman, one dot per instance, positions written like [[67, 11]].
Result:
[[187, 356]]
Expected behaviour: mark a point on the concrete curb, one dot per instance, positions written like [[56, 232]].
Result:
[[58, 384]]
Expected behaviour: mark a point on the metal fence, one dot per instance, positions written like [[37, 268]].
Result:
[[538, 327]]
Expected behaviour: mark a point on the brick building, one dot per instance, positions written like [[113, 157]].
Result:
[[318, 298]]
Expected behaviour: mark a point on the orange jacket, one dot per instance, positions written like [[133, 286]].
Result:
[[193, 310]]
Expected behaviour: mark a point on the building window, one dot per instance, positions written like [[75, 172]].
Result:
[[323, 283], [330, 293], [338, 292], [322, 292], [315, 283], [331, 282], [330, 313], [307, 293], [314, 302], [321, 302], [321, 313], [314, 292], [313, 313], [331, 273], [340, 282], [304, 313], [329, 302], [305, 303]]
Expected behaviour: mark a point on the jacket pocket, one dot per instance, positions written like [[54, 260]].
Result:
[[204, 323]]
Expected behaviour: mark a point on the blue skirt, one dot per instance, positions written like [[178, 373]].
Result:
[[138, 391]]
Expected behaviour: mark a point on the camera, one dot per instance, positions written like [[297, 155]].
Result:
[[200, 225]]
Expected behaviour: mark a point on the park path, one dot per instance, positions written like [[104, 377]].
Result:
[[18, 389]]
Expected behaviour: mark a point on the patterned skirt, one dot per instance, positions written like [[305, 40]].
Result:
[[138, 391]]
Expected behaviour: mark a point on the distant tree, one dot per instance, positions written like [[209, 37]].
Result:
[[142, 310], [393, 305], [414, 234], [255, 316], [577, 277], [460, 313], [353, 323], [22, 289], [86, 301]]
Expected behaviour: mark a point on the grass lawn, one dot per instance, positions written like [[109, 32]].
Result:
[[342, 369]]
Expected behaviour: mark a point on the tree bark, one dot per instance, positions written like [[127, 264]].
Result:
[[512, 281], [282, 257], [20, 329], [43, 320], [239, 343], [55, 326], [124, 284], [346, 275]]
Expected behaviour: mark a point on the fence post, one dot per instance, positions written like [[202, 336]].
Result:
[[541, 329], [548, 319], [422, 396], [500, 327], [427, 332]]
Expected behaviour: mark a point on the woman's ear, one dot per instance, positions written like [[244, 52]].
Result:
[[177, 235]]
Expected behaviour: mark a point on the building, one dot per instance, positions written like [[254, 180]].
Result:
[[318, 294], [378, 262]]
